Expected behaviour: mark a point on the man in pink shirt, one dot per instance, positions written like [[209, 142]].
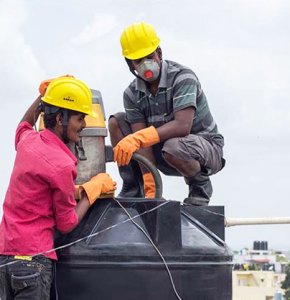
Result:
[[41, 193]]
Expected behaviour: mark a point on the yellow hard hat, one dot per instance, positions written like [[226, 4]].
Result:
[[70, 93], [139, 40]]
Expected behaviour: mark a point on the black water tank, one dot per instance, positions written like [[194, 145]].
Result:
[[120, 263], [264, 245], [257, 245]]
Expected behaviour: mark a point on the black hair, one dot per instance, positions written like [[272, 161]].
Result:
[[49, 120], [159, 51], [50, 113]]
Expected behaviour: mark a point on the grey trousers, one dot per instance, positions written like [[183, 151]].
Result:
[[205, 148]]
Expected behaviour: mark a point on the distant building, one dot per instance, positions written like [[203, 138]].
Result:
[[258, 273]]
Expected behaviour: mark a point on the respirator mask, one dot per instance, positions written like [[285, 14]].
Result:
[[148, 69]]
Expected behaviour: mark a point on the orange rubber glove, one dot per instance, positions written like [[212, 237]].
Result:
[[149, 185], [143, 138], [45, 83], [99, 184]]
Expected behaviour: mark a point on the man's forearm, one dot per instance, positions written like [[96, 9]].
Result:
[[82, 206], [32, 113], [179, 127]]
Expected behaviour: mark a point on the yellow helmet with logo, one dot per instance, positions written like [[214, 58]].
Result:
[[69, 93], [139, 40]]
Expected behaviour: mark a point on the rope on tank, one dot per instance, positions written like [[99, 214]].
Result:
[[88, 236], [154, 246], [109, 228]]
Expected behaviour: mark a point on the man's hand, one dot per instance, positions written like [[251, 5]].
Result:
[[124, 150], [99, 184]]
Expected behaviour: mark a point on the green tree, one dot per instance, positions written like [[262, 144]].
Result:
[[286, 283]]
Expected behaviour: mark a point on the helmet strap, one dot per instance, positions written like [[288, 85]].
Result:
[[132, 69]]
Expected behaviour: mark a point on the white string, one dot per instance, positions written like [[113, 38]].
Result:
[[111, 227], [154, 246], [88, 236]]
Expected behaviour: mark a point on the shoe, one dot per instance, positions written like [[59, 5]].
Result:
[[200, 190], [132, 181], [196, 201]]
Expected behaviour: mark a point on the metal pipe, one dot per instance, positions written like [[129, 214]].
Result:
[[256, 221]]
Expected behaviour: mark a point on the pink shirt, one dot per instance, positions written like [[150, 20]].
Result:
[[40, 196]]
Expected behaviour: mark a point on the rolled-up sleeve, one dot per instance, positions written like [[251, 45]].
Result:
[[64, 203], [23, 130]]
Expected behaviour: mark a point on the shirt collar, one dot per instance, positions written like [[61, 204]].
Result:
[[163, 78], [141, 86], [54, 139]]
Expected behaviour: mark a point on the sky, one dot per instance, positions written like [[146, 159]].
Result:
[[239, 49]]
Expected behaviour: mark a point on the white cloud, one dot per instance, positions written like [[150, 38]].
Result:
[[19, 76], [260, 7], [100, 26], [20, 69], [239, 50]]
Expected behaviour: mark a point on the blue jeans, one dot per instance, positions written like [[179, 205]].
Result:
[[25, 279]]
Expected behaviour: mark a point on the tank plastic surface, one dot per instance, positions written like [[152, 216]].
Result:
[[117, 261]]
